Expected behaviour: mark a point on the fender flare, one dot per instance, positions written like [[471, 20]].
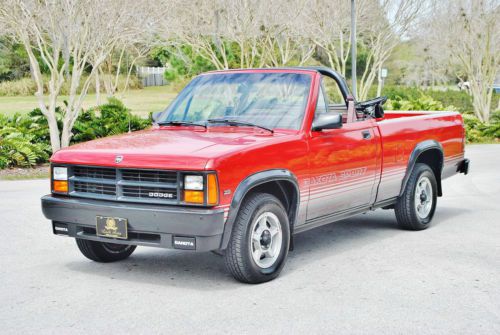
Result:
[[419, 149], [248, 184]]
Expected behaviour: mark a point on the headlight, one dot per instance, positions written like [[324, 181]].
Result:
[[60, 173], [59, 179], [193, 183], [195, 191]]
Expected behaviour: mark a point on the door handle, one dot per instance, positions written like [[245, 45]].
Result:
[[366, 134]]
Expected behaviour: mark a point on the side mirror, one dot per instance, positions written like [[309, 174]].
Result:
[[156, 116], [327, 121]]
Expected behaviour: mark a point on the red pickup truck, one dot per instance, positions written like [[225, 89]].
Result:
[[242, 160]]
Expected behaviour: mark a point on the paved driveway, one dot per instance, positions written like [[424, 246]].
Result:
[[360, 275]]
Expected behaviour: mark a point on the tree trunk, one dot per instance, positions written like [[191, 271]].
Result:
[[50, 114], [97, 89], [55, 141], [66, 133]]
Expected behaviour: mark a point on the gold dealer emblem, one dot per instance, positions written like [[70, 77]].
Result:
[[111, 225]]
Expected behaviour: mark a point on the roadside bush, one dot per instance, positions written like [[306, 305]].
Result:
[[461, 101], [476, 131], [18, 148], [412, 102], [25, 139], [108, 119], [479, 132], [404, 92]]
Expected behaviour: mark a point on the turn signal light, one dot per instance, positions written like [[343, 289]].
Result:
[[60, 186], [195, 197], [212, 189]]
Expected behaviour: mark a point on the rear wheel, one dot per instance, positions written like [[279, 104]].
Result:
[[260, 240], [415, 208], [104, 252]]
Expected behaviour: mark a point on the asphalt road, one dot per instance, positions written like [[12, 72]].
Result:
[[357, 276]]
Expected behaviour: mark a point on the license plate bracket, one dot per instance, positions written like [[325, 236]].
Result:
[[111, 227]]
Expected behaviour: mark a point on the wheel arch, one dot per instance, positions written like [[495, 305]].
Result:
[[279, 182], [431, 153]]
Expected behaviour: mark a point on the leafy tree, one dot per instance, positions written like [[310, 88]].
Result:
[[182, 61], [14, 62]]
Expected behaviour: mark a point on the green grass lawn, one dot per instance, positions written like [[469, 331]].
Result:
[[149, 99]]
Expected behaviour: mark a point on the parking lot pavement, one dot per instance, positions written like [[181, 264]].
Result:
[[361, 275]]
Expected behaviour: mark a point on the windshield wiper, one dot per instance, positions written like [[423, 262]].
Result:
[[238, 123], [181, 123]]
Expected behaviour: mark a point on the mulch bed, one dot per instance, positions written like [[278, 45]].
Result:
[[39, 171]]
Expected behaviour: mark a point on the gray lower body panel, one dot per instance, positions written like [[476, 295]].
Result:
[[149, 225]]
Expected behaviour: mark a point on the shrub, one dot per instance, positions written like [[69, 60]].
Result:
[[25, 139], [403, 92], [36, 124], [421, 102], [479, 132], [21, 149], [476, 131], [461, 100], [108, 119]]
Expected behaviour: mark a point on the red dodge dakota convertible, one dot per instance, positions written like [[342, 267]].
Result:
[[242, 160]]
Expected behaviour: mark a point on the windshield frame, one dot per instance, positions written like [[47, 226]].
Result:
[[307, 100]]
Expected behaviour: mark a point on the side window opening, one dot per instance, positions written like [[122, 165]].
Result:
[[336, 102], [333, 92], [321, 105]]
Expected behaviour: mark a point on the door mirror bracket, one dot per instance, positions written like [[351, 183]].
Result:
[[327, 121], [156, 116]]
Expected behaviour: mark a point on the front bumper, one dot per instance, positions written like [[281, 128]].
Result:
[[149, 225]]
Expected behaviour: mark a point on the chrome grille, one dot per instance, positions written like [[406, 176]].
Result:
[[94, 173], [103, 189], [133, 185], [150, 176]]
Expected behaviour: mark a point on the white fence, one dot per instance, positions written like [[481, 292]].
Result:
[[152, 76]]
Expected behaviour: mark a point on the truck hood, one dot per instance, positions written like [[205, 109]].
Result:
[[172, 148]]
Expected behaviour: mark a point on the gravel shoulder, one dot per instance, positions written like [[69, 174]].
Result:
[[37, 172]]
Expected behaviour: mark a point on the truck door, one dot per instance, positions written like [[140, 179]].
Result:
[[343, 163]]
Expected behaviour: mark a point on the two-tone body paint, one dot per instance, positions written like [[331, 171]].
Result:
[[401, 132], [336, 170]]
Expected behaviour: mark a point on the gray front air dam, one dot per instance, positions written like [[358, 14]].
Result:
[[206, 225]]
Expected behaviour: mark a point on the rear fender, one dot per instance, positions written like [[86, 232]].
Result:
[[417, 152]]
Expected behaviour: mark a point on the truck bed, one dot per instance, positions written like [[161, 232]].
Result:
[[401, 131]]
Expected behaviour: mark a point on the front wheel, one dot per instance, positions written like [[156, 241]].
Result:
[[104, 252], [260, 240], [415, 208]]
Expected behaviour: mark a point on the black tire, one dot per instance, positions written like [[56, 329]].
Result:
[[104, 252], [406, 207], [238, 255]]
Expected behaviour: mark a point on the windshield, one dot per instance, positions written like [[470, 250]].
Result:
[[271, 100]]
